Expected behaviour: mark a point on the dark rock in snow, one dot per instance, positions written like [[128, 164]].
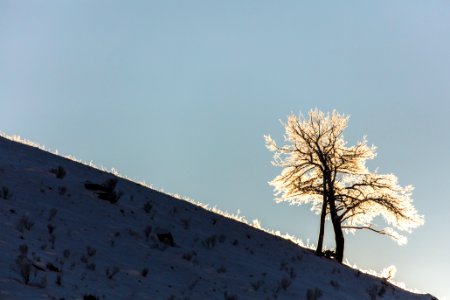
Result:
[[166, 238]]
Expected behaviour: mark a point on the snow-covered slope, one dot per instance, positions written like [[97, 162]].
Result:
[[69, 231]]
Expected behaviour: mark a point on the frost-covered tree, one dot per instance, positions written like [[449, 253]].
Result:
[[320, 169]]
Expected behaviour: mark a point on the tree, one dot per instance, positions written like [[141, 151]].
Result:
[[320, 169]]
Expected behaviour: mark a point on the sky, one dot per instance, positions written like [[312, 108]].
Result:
[[180, 93]]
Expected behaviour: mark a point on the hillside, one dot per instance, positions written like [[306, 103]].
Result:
[[70, 231]]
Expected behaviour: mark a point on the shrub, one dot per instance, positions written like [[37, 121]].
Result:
[[5, 193], [133, 233], [230, 296], [58, 279], [185, 224], [148, 207], [84, 259], [50, 228], [284, 283], [334, 284], [313, 294], [222, 238], [42, 283], [174, 210], [52, 240], [210, 242], [23, 249], [90, 267], [24, 224], [144, 272], [329, 254], [59, 172], [257, 284], [62, 190], [91, 251], [111, 272], [292, 273], [284, 266], [66, 253], [375, 291], [52, 213], [148, 231], [23, 267], [189, 255]]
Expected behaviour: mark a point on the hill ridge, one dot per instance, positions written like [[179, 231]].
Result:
[[70, 231]]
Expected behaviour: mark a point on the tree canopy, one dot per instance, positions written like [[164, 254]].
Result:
[[318, 168]]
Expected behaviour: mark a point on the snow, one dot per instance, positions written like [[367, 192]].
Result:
[[75, 244]]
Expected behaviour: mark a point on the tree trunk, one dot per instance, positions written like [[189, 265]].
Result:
[[337, 226], [323, 215], [322, 227], [339, 239]]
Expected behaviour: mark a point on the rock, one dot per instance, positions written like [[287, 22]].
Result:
[[166, 238]]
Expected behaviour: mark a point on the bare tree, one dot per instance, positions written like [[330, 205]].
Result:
[[320, 169]]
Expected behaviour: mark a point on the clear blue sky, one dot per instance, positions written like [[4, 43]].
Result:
[[180, 93]]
